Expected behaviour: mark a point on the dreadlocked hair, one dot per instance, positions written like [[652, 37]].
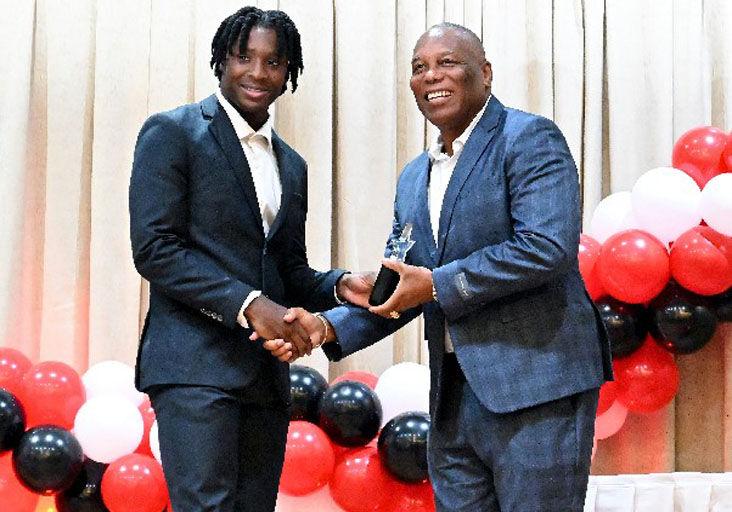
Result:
[[237, 28]]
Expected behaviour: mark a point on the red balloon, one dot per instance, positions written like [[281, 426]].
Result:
[[701, 175], [367, 378], [13, 365], [698, 153], [648, 379], [134, 483], [727, 154], [52, 393], [634, 266], [148, 418], [412, 497], [13, 495], [589, 252], [701, 261], [361, 483], [608, 394], [309, 459]]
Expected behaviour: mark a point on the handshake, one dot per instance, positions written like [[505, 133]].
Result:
[[307, 331], [295, 332]]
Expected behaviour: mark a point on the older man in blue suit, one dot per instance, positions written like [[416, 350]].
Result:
[[517, 350]]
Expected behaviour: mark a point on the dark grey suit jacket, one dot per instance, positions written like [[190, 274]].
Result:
[[197, 237], [505, 268]]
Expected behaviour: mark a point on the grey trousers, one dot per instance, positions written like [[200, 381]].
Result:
[[530, 460], [222, 450]]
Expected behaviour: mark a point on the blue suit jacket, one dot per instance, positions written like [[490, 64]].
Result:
[[505, 268], [197, 237]]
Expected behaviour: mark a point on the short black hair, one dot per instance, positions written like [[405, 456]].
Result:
[[237, 27]]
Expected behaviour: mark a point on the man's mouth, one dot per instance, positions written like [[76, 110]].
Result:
[[434, 95], [254, 91]]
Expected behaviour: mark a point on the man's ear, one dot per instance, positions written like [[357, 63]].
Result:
[[487, 74]]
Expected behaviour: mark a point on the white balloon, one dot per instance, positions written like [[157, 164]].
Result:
[[612, 215], [155, 441], [716, 203], [112, 377], [609, 422], [108, 427], [404, 387], [666, 203]]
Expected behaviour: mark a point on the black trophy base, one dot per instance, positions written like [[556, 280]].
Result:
[[386, 283]]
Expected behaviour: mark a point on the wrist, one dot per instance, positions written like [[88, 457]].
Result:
[[430, 291], [326, 328], [339, 289]]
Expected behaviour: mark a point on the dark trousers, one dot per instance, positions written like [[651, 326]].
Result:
[[222, 450], [531, 460]]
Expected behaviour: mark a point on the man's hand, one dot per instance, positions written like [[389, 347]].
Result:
[[414, 288], [356, 288], [281, 349], [267, 319], [316, 329]]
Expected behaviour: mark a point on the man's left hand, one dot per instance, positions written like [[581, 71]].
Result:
[[414, 289], [356, 288]]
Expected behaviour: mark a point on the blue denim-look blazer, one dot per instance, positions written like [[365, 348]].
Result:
[[504, 268]]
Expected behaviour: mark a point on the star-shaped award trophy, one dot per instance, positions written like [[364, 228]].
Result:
[[387, 280]]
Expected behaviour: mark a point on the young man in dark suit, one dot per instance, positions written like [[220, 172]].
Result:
[[217, 215], [517, 349]]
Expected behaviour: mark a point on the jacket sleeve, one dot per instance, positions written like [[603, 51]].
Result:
[[356, 328], [158, 206], [543, 189]]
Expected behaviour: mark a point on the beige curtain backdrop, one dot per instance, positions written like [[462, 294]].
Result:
[[622, 78]]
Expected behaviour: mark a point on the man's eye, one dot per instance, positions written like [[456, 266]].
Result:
[[448, 62], [273, 63], [417, 68], [243, 58]]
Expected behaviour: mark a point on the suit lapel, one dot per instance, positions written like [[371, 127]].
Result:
[[223, 131], [476, 144], [423, 224], [287, 179]]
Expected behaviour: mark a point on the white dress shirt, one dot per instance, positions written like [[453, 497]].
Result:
[[443, 166], [257, 146]]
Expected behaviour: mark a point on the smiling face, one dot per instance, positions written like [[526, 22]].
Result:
[[451, 80], [253, 80]]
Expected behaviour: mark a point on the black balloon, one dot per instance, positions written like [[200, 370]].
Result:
[[626, 325], [12, 420], [307, 387], [85, 494], [682, 322], [403, 446], [48, 459], [723, 306], [350, 413]]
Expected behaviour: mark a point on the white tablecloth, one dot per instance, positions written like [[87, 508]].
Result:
[[660, 492]]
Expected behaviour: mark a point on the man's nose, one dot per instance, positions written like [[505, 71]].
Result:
[[256, 69], [432, 74]]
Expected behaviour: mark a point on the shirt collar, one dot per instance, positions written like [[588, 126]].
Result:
[[241, 127], [435, 149]]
